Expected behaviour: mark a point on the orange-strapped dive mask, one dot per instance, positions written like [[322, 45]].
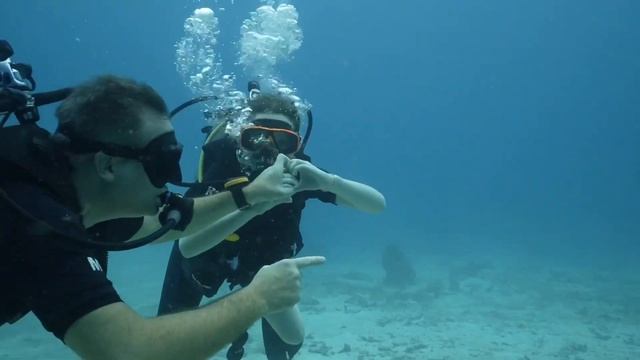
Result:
[[255, 138]]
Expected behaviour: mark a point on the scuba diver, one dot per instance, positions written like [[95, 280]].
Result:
[[112, 156], [236, 246]]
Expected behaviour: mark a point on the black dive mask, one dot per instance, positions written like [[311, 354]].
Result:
[[160, 158]]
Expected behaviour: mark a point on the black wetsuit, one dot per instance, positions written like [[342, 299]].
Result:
[[40, 268], [265, 239]]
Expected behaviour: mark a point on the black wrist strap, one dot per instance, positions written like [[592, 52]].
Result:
[[235, 186], [239, 198]]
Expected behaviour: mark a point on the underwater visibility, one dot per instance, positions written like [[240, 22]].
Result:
[[286, 179]]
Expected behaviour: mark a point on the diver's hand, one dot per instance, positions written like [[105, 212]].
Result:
[[278, 285], [273, 184], [309, 176]]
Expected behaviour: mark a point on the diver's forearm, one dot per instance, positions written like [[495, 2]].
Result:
[[206, 210], [209, 209], [357, 195], [200, 333]]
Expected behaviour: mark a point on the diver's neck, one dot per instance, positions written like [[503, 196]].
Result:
[[93, 210]]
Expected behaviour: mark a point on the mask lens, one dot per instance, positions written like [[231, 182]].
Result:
[[162, 160], [287, 142], [253, 138]]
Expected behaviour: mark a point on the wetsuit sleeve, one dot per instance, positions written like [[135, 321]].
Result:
[[63, 285], [324, 196]]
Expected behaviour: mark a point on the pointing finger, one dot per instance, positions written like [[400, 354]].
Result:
[[306, 261]]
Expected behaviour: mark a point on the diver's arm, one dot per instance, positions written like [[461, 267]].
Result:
[[206, 210], [350, 193], [117, 332], [356, 195], [273, 184], [215, 233]]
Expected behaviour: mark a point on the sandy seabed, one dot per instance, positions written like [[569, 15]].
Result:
[[456, 309]]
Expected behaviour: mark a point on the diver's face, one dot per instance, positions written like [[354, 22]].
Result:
[[274, 121], [137, 195], [260, 144]]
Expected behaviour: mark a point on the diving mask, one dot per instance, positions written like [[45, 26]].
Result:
[[160, 157], [256, 138]]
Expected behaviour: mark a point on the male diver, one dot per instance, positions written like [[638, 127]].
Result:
[[237, 245], [111, 157]]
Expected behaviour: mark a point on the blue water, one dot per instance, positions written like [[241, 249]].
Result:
[[492, 127]]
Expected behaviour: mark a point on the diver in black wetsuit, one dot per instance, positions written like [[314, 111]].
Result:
[[111, 156], [239, 244]]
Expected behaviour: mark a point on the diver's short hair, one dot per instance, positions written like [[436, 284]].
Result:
[[276, 104], [107, 107]]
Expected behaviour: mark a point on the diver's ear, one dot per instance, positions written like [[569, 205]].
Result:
[[104, 166]]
